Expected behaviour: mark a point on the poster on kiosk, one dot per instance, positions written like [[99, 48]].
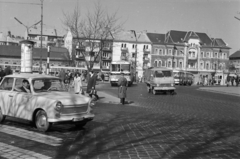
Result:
[[26, 56]]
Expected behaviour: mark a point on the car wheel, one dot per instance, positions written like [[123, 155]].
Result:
[[2, 117], [41, 121]]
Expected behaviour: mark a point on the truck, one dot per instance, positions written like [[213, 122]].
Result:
[[159, 79]]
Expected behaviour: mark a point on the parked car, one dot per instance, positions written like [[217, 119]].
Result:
[[45, 102]]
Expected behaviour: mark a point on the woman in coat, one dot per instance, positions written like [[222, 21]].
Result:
[[77, 83], [122, 89]]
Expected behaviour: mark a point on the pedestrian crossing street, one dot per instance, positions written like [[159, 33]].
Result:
[[10, 151]]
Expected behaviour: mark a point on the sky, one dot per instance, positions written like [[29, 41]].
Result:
[[214, 17]]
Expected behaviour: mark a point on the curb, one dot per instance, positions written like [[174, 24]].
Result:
[[219, 92]]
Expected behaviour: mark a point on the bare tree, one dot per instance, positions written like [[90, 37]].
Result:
[[94, 30]]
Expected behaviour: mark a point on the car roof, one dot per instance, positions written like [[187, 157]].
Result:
[[30, 75]]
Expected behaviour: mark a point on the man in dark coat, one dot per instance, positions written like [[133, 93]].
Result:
[[237, 80], [228, 79], [2, 74], [91, 85], [122, 89]]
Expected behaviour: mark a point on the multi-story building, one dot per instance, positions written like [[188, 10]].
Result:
[[191, 51], [234, 60], [135, 48], [9, 39], [50, 37]]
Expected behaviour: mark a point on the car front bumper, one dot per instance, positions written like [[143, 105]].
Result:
[[164, 88], [72, 118]]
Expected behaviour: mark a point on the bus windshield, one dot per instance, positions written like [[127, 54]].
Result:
[[163, 74], [121, 67]]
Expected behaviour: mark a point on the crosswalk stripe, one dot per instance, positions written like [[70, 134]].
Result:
[[46, 139], [10, 152]]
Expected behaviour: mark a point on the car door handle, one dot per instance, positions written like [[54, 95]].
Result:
[[10, 95]]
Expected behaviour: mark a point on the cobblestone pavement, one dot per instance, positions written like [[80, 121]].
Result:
[[190, 124]]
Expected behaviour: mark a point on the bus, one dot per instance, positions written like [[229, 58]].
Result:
[[182, 77], [118, 67]]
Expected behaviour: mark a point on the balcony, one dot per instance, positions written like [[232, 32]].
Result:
[[146, 51], [146, 60], [107, 58], [124, 49], [107, 48], [124, 58]]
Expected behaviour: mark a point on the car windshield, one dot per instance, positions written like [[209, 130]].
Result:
[[45, 85], [163, 74]]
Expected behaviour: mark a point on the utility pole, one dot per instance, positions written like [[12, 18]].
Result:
[[134, 32], [40, 71]]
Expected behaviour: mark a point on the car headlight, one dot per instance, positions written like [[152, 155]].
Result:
[[172, 84], [58, 106], [158, 85]]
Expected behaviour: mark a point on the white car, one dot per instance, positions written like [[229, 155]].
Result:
[[44, 100]]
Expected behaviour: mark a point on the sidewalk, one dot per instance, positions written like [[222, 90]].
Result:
[[231, 90]]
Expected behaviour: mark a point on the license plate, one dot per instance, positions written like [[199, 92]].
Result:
[[77, 119]]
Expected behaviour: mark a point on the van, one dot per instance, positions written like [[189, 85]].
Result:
[[159, 80]]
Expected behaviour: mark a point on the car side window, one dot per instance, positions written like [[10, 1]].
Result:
[[7, 84], [19, 84]]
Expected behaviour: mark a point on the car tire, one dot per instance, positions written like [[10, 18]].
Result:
[[41, 122], [2, 117]]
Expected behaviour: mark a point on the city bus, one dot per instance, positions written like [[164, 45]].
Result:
[[182, 77], [118, 67]]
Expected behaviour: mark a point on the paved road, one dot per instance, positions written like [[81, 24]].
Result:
[[191, 124]]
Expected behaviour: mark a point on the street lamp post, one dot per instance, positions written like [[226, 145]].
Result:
[[40, 71], [25, 25], [174, 51], [135, 35]]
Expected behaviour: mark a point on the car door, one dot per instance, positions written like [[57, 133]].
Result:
[[6, 95], [21, 101]]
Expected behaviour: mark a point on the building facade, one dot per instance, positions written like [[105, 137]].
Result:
[[234, 60], [190, 51]]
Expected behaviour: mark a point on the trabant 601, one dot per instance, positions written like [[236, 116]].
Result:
[[44, 100], [159, 80]]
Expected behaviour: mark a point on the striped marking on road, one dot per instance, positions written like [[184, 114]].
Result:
[[34, 136], [12, 152]]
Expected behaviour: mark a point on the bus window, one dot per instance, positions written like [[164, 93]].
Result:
[[115, 67], [125, 67], [167, 73], [158, 74]]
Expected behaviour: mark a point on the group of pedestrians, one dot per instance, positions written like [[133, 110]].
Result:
[[6, 71], [232, 79]]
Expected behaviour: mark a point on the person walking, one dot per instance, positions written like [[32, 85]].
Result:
[[2, 74], [232, 80], [77, 84], [91, 90], [237, 80], [228, 79], [122, 89]]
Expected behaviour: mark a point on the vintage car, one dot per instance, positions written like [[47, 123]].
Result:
[[44, 100]]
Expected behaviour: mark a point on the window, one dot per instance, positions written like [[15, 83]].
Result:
[[156, 51], [160, 52], [180, 64], [134, 46], [159, 63], [202, 53], [133, 55], [145, 46], [169, 64], [169, 51], [43, 38], [216, 55], [7, 84], [155, 64], [124, 45]]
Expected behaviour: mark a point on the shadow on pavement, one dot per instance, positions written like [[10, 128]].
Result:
[[130, 132]]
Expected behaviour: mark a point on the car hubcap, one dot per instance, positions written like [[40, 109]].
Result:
[[42, 121]]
